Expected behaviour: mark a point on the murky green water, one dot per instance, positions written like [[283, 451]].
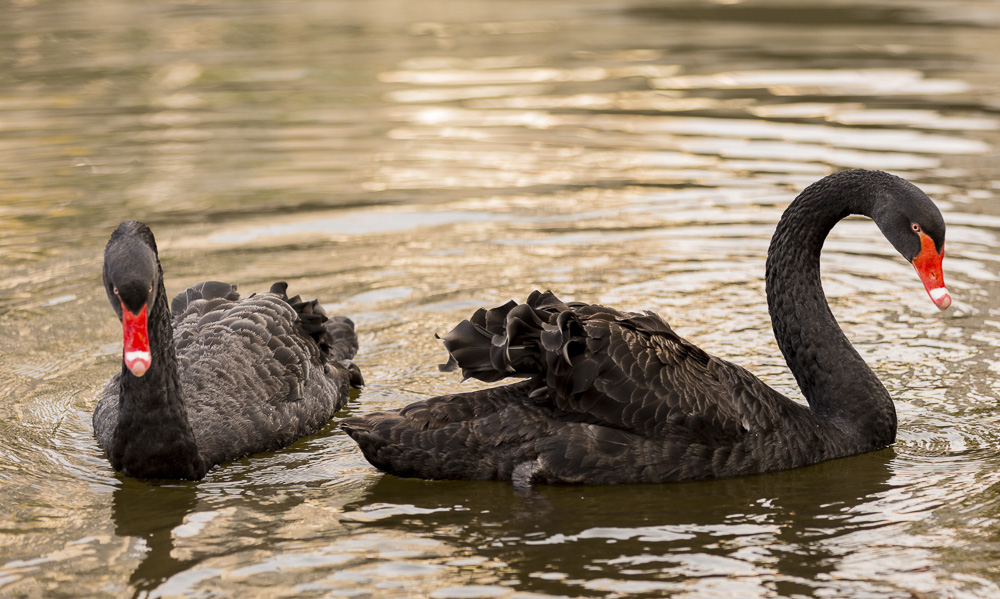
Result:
[[407, 162]]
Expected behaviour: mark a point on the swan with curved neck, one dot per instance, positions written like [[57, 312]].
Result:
[[211, 377], [615, 397]]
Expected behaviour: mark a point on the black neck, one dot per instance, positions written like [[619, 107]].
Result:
[[834, 379], [153, 438]]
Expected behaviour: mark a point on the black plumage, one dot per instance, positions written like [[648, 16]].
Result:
[[228, 376], [618, 397]]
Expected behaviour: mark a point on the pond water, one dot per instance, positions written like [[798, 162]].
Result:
[[408, 162]]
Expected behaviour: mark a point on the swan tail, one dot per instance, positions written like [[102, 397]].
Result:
[[479, 435]]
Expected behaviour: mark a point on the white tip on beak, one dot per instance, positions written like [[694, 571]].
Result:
[[940, 297], [137, 362]]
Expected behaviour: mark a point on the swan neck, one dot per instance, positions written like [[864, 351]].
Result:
[[153, 431], [833, 377]]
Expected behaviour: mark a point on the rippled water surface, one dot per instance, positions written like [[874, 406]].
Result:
[[408, 162]]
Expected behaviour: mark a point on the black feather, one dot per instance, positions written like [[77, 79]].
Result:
[[228, 377], [615, 397]]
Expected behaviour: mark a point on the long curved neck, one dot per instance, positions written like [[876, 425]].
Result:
[[835, 380], [153, 438]]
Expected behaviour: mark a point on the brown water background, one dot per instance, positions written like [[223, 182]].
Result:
[[408, 162]]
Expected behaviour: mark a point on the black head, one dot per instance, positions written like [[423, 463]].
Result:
[[914, 226], [131, 272], [132, 280], [900, 208]]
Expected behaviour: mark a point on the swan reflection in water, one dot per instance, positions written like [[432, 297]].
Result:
[[795, 527], [152, 513]]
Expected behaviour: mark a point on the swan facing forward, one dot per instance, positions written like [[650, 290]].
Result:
[[619, 397], [212, 377]]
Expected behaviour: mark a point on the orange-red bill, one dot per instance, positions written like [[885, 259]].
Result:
[[928, 265], [136, 353]]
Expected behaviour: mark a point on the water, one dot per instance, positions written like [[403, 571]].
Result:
[[409, 162]]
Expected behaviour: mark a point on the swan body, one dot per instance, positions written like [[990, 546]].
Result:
[[212, 377], [618, 397]]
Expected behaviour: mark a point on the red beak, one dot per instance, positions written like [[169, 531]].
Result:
[[928, 265], [136, 354]]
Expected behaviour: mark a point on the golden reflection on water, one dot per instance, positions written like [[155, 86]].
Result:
[[406, 169]]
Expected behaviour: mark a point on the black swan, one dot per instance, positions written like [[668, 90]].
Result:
[[212, 377], [619, 397]]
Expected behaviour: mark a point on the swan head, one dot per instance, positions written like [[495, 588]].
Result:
[[914, 226], [131, 280]]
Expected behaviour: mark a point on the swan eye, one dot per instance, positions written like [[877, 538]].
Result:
[[115, 289], [151, 288], [915, 227]]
